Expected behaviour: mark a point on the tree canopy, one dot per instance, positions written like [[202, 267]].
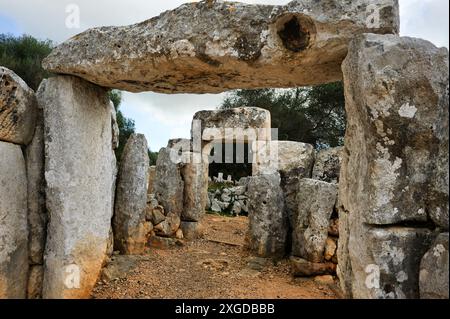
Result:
[[314, 115], [126, 127], [24, 56]]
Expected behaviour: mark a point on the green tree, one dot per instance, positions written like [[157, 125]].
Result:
[[153, 156], [24, 56], [314, 115], [126, 127]]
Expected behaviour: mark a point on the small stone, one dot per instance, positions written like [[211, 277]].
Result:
[[304, 268], [324, 280], [192, 230], [330, 249], [155, 215], [179, 234], [162, 242], [169, 226]]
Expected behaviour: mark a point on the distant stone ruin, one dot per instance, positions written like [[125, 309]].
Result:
[[64, 204]]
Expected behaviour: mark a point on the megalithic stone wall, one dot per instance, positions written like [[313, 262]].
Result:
[[394, 178], [79, 174]]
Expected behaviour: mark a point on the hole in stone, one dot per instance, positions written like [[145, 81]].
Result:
[[295, 37]]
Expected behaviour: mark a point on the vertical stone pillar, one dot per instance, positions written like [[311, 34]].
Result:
[[13, 223], [268, 226], [394, 177], [37, 211], [130, 228], [195, 177], [79, 175]]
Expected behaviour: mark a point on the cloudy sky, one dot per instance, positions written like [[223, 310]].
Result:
[[161, 117]]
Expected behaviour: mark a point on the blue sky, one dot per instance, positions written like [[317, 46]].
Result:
[[161, 117]]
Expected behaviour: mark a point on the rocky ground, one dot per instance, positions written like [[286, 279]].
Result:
[[216, 266]]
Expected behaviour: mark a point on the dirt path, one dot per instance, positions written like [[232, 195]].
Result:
[[207, 269]]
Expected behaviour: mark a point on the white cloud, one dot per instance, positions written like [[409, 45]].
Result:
[[427, 19]]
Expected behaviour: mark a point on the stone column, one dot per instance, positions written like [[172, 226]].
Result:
[[13, 223], [130, 227], [79, 175], [394, 178], [18, 113], [268, 226]]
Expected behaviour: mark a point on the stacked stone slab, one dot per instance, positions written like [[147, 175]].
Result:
[[315, 233], [316, 201], [180, 186], [20, 179], [79, 176], [295, 162], [130, 227], [394, 178]]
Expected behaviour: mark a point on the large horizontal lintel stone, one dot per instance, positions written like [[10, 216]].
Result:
[[214, 46]]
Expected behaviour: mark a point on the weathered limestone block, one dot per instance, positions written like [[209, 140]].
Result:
[[79, 175], [295, 161], [169, 185], [393, 169], [151, 180], [327, 166], [395, 166], [267, 218], [385, 262], [195, 177], [192, 230], [13, 223], [37, 211], [249, 123], [169, 226], [35, 279], [434, 270], [131, 197], [316, 201], [18, 109], [226, 46]]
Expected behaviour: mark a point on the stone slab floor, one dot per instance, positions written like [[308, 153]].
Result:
[[207, 268]]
